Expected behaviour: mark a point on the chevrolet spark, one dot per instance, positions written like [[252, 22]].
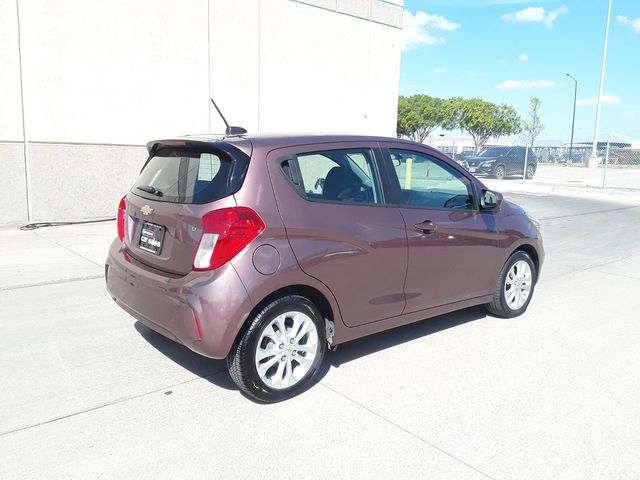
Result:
[[268, 250]]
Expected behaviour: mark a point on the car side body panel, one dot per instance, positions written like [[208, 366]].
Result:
[[355, 256], [455, 261], [358, 251]]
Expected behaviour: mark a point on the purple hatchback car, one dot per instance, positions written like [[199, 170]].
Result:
[[267, 250]]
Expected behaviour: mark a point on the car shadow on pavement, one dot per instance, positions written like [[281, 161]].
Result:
[[215, 371], [397, 336]]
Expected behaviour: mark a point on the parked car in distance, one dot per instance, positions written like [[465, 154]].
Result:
[[614, 158], [267, 250], [502, 161], [576, 156]]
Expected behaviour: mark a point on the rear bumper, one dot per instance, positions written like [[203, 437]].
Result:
[[202, 310]]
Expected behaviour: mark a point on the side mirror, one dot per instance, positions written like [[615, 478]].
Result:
[[490, 200]]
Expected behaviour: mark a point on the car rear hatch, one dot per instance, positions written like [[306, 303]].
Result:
[[181, 181]]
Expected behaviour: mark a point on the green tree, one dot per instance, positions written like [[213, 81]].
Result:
[[534, 126], [530, 131], [482, 120], [418, 116]]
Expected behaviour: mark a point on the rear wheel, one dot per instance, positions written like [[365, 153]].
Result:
[[281, 350], [515, 286], [530, 171], [499, 172]]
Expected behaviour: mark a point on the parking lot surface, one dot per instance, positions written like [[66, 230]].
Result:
[[89, 393]]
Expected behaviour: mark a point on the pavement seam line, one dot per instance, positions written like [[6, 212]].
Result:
[[617, 274], [427, 442], [589, 213], [117, 401], [51, 282], [69, 250], [592, 267]]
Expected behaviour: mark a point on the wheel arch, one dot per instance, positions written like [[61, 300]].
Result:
[[312, 294], [532, 252]]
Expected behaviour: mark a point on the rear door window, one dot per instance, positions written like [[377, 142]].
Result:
[[346, 176], [180, 176]]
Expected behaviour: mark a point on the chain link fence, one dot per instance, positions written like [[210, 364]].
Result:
[[616, 165]]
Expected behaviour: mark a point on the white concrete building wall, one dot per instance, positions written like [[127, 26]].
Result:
[[12, 172], [97, 80]]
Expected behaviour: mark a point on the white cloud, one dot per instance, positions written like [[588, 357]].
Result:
[[537, 15], [524, 84], [607, 99], [416, 29], [524, 57], [553, 14], [529, 14], [634, 23], [440, 70], [438, 22]]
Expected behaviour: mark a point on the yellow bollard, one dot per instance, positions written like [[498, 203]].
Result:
[[407, 174]]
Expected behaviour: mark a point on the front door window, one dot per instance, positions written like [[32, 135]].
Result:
[[426, 182]]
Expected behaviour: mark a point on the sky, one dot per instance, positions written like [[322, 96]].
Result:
[[513, 50]]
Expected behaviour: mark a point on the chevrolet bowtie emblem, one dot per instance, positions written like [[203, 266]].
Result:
[[146, 210]]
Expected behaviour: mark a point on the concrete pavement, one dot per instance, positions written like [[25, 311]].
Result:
[[627, 178], [88, 393]]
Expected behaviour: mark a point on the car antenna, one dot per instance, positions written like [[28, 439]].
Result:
[[229, 130]]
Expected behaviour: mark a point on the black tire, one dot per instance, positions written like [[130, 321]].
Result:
[[499, 172], [498, 305], [241, 359], [531, 170]]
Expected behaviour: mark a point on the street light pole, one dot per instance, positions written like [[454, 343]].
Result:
[[594, 151], [573, 122]]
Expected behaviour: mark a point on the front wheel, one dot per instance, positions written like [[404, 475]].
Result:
[[499, 172], [515, 286], [280, 351]]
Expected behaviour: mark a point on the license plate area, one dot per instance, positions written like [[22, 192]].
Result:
[[472, 169], [151, 237]]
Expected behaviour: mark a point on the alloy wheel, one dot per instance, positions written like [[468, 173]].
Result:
[[517, 285], [286, 350]]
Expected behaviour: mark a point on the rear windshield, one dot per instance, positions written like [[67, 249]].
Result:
[[179, 176]]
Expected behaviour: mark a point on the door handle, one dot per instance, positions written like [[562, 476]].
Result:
[[427, 226]]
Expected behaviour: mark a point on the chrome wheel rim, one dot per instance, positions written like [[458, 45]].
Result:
[[286, 350], [500, 173], [517, 285], [530, 171]]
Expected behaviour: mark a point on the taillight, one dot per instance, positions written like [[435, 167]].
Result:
[[225, 233], [122, 215]]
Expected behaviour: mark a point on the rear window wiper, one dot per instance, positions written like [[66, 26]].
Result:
[[151, 190]]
